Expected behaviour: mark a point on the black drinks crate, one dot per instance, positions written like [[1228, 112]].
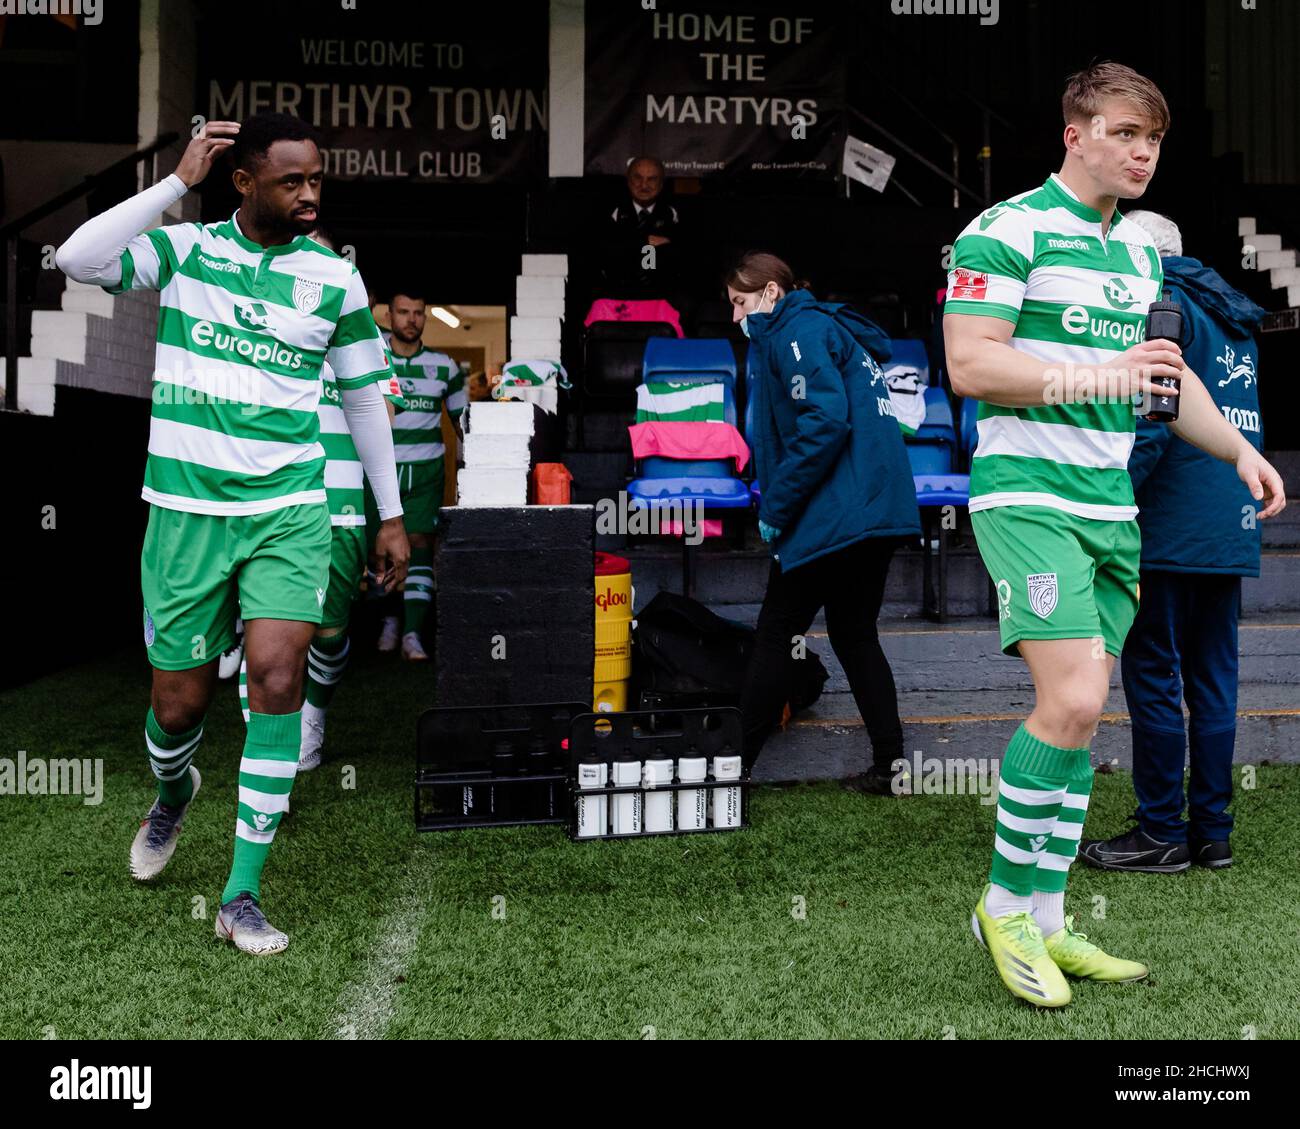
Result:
[[493, 766]]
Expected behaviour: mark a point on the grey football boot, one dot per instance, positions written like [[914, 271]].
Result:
[[242, 922], [155, 842]]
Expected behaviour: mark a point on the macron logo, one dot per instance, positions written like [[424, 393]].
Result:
[[795, 346], [102, 1083], [1037, 842], [212, 264], [1067, 244]]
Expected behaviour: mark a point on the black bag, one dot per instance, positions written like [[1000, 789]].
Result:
[[684, 655]]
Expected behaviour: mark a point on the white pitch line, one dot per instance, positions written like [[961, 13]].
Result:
[[366, 1005]]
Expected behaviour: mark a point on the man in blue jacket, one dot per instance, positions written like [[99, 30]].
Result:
[[1199, 538]]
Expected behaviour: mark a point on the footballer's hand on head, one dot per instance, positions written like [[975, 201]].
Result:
[[213, 139]]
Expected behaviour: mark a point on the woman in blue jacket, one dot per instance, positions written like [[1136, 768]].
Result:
[[837, 496]]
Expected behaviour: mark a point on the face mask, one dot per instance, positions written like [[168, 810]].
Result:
[[744, 322]]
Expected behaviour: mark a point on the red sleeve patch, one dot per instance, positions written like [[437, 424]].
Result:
[[969, 284]]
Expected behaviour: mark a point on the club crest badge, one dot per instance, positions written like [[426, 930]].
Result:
[[148, 629], [1140, 258], [1042, 593], [306, 294]]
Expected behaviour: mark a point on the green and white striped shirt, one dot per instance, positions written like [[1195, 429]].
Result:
[[1075, 297], [344, 476], [426, 380], [243, 333], [680, 400]]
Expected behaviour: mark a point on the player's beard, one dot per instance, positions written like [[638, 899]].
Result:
[[282, 227]]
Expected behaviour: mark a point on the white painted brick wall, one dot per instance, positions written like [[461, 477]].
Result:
[[98, 341]]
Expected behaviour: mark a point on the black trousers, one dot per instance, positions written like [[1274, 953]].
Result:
[[850, 585]]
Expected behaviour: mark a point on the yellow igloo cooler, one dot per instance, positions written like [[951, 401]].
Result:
[[613, 633]]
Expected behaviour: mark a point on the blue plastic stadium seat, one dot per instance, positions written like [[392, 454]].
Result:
[[933, 449], [937, 489], [710, 483], [712, 493], [938, 416], [942, 489], [659, 466], [908, 355], [929, 458], [702, 359], [969, 430]]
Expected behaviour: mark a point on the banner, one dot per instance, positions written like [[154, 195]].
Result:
[[441, 94], [714, 88]]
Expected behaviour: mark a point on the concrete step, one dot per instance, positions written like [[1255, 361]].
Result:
[[1287, 464], [1277, 588], [1283, 531], [925, 655], [960, 697], [829, 741], [740, 577]]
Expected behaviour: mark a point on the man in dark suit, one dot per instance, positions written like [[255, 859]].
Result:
[[640, 252]]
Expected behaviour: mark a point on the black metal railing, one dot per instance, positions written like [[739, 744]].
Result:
[[11, 231], [988, 118]]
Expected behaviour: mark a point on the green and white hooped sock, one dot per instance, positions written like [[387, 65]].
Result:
[[327, 659], [170, 755], [1042, 801], [419, 590], [243, 685], [266, 774]]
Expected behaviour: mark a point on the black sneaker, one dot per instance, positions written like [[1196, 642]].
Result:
[[880, 780], [1212, 853], [1137, 851]]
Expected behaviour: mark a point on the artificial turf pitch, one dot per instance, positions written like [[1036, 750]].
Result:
[[521, 933]]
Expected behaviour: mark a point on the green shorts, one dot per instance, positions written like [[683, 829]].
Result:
[[197, 571], [421, 486], [347, 563], [1059, 576]]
